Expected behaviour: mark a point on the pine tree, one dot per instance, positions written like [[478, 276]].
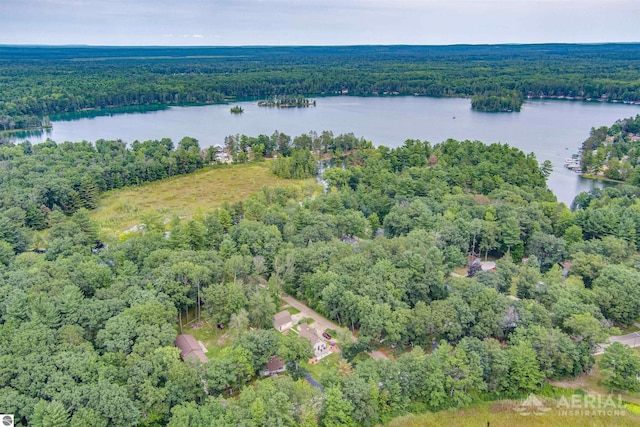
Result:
[[88, 193]]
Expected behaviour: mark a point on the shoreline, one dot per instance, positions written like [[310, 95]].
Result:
[[600, 178], [11, 131], [104, 111]]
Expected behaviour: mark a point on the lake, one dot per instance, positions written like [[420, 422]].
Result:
[[552, 129]]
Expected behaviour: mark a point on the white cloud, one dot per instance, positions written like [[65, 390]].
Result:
[[293, 22]]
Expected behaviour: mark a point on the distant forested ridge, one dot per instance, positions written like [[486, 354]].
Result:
[[36, 82]]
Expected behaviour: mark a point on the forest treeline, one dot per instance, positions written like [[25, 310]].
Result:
[[37, 82], [86, 332], [36, 180]]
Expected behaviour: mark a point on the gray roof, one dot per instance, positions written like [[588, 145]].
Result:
[[281, 318], [308, 333]]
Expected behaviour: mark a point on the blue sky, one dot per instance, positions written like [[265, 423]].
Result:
[[316, 22]]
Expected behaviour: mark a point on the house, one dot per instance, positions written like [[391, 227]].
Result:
[[275, 366], [282, 321], [566, 267], [483, 265], [488, 265], [190, 348], [223, 157], [319, 345]]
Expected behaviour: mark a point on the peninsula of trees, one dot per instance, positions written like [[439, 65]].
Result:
[[613, 152], [36, 81]]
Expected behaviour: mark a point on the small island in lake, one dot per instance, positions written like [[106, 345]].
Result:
[[506, 101], [287, 101], [237, 110]]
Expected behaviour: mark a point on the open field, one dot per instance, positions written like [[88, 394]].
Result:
[[187, 195], [506, 413]]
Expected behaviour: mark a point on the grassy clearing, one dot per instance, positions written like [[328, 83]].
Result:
[[328, 363], [503, 413], [187, 195], [215, 340], [462, 270]]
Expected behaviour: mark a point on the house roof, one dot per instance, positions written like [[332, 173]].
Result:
[[189, 348], [281, 318], [308, 333], [275, 364], [488, 265]]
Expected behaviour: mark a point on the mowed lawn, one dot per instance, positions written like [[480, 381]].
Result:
[[504, 414], [186, 195]]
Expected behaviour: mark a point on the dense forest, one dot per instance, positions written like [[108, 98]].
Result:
[[86, 332], [37, 82], [37, 180]]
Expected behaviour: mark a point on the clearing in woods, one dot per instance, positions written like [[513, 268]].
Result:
[[186, 195], [510, 413]]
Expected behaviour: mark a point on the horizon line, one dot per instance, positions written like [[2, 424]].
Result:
[[82, 45]]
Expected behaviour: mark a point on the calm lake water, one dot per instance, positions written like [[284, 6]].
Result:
[[553, 130]]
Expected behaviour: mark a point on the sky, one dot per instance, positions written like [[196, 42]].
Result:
[[317, 22]]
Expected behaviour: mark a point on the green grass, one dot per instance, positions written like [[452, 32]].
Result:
[[328, 363], [292, 310], [213, 338], [462, 271], [503, 413], [187, 195]]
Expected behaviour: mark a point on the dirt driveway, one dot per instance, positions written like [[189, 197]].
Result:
[[321, 323]]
